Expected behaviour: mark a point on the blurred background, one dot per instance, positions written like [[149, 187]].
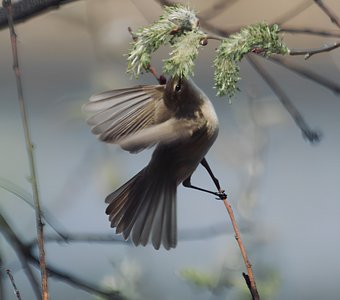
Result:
[[282, 188]]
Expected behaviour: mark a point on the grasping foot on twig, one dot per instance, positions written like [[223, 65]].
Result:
[[220, 194]]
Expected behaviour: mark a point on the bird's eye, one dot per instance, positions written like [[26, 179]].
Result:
[[178, 87]]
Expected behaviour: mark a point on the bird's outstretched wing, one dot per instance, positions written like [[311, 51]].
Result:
[[121, 113]]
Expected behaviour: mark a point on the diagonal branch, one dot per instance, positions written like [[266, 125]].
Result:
[[24, 253], [20, 250], [11, 278], [249, 278], [20, 193], [78, 283], [307, 133], [334, 18]]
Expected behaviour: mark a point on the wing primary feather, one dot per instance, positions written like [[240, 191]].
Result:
[[110, 111]]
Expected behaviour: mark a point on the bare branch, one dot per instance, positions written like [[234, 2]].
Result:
[[78, 283], [307, 133], [309, 52], [27, 9], [328, 12], [20, 193], [194, 234], [25, 255], [11, 278], [29, 147], [249, 278], [20, 250], [80, 238]]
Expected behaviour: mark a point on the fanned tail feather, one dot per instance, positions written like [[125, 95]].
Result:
[[144, 208]]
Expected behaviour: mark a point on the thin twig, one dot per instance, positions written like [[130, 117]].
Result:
[[20, 193], [309, 134], [79, 283], [29, 147], [24, 252], [249, 278], [20, 250], [193, 234], [15, 289], [310, 52], [328, 12]]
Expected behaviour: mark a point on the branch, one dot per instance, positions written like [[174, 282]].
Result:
[[11, 278], [328, 12], [79, 283], [25, 255], [249, 278], [29, 147], [309, 134], [20, 250], [184, 235], [20, 193], [310, 52], [27, 9], [79, 238]]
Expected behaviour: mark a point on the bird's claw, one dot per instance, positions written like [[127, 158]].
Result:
[[221, 195]]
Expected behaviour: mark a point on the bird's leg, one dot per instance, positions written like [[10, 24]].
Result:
[[187, 183], [205, 164], [220, 194]]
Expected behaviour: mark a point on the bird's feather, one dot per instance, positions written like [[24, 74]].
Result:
[[166, 132], [121, 113], [144, 208]]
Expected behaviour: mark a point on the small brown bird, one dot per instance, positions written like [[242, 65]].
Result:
[[181, 121]]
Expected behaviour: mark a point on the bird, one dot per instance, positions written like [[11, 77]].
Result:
[[180, 121]]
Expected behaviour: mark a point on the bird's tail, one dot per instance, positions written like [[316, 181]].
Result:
[[144, 208]]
